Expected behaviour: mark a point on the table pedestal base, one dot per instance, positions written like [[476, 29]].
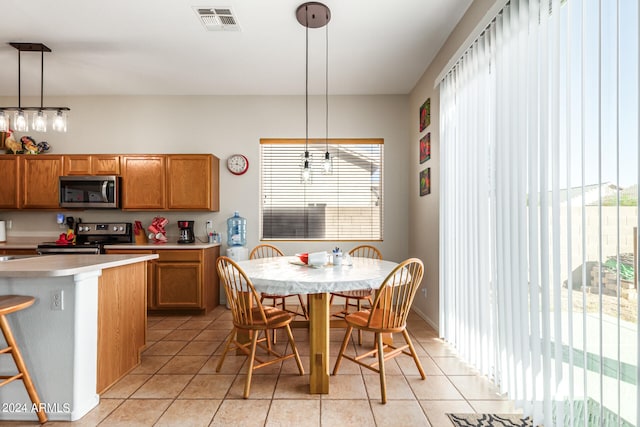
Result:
[[319, 343]]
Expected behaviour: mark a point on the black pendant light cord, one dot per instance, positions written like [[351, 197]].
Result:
[[326, 90], [41, 79], [19, 83], [306, 86]]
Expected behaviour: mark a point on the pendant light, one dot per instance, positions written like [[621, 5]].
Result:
[[310, 15], [39, 119]]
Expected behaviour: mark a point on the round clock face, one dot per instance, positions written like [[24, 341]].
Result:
[[237, 164]]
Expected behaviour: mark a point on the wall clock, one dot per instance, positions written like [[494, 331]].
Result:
[[237, 164]]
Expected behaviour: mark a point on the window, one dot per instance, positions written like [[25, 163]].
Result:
[[343, 205], [539, 209]]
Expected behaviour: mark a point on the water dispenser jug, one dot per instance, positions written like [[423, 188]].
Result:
[[236, 230]]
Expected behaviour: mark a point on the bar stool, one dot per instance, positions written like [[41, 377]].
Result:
[[9, 304]]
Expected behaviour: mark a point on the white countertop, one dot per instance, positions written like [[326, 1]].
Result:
[[169, 245], [31, 242], [65, 265]]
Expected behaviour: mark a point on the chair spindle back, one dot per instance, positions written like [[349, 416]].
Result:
[[241, 294], [265, 250], [366, 251], [395, 295]]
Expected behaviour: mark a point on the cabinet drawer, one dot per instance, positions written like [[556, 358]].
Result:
[[179, 255]]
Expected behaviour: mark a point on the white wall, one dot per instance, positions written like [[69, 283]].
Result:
[[424, 211], [223, 126]]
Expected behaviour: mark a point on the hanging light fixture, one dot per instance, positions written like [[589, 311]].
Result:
[[310, 15], [39, 119]]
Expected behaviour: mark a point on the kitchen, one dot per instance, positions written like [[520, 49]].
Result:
[[134, 120]]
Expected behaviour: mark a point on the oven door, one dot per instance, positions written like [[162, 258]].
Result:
[[101, 192]]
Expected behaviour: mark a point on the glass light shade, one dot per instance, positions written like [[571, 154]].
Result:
[[20, 122], [305, 176], [327, 164], [60, 121], [39, 121], [306, 173], [4, 122]]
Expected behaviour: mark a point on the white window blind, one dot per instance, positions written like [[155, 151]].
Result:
[[539, 217], [343, 205]]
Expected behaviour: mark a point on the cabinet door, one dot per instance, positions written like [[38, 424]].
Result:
[[9, 176], [94, 164], [105, 165], [178, 285], [39, 177], [143, 182], [77, 165], [192, 182]]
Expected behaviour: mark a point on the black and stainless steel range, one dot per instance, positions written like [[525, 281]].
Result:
[[91, 237]]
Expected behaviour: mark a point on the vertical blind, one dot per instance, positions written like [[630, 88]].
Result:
[[539, 218], [343, 205]]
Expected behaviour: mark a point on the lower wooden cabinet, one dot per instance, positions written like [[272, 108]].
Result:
[[180, 279], [18, 252]]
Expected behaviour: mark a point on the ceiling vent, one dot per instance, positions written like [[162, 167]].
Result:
[[217, 18]]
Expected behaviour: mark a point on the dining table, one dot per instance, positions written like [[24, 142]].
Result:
[[289, 275]]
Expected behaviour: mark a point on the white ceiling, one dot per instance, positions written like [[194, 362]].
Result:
[[149, 47]]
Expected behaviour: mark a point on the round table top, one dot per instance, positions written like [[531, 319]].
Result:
[[287, 275]]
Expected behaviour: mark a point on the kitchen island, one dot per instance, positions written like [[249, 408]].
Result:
[[84, 332]]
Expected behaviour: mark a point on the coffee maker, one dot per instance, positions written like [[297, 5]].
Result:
[[186, 232]]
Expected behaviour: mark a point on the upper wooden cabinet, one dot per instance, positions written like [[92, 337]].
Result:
[[39, 177], [93, 164], [143, 182], [192, 182], [170, 182], [155, 182], [10, 179]]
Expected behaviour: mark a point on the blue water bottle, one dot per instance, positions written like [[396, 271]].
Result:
[[236, 230]]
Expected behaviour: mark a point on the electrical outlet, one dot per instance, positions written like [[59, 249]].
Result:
[[57, 300], [424, 292], [209, 225]]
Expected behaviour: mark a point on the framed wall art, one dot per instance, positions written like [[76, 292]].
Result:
[[425, 114], [425, 182], [425, 147]]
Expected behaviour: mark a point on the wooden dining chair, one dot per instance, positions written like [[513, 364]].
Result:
[[354, 299], [266, 250], [250, 315], [388, 314]]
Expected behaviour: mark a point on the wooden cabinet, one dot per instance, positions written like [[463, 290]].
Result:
[[18, 252], [143, 182], [170, 182], [192, 182], [180, 279], [93, 164], [39, 178], [122, 322], [10, 179]]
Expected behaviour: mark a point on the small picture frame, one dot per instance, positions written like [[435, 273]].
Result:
[[425, 182], [425, 148], [425, 114]]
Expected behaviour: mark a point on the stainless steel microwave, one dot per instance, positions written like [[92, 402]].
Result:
[[95, 192]]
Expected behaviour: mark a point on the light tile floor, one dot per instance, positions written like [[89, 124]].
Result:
[[176, 384]]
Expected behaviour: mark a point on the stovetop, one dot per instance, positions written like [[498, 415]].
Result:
[[98, 234]]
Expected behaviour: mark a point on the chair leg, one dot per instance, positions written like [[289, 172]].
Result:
[[405, 334], [295, 349], [383, 381], [304, 308], [252, 358], [347, 335], [359, 330], [22, 368], [232, 336]]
